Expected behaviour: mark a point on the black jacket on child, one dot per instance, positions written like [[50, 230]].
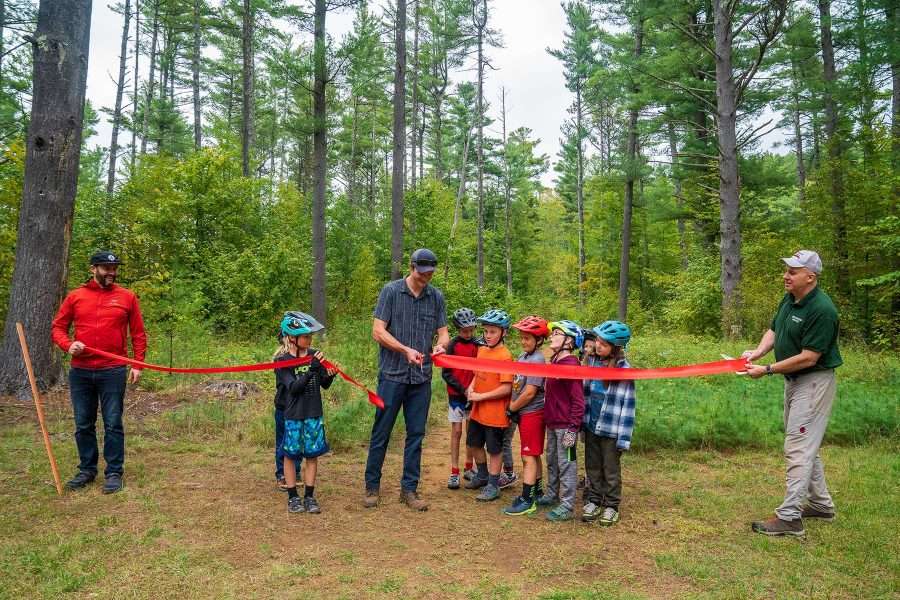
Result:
[[297, 388]]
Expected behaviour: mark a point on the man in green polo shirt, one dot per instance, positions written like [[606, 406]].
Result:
[[804, 335]]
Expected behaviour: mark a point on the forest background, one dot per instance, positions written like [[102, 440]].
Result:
[[263, 165]]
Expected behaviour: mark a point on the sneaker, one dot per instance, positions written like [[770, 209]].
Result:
[[812, 513], [112, 483], [476, 483], [590, 512], [469, 474], [507, 479], [547, 499], [413, 500], [295, 504], [282, 484], [81, 480], [490, 492], [311, 505], [520, 506], [371, 499], [776, 526], [453, 481], [559, 514], [609, 517]]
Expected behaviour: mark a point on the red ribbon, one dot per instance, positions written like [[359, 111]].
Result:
[[373, 397], [579, 372]]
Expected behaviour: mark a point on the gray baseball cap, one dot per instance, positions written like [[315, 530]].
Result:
[[806, 259]]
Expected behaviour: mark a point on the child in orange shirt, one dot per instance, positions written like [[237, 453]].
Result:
[[489, 394]]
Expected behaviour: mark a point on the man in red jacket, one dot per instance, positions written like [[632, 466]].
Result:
[[103, 313]]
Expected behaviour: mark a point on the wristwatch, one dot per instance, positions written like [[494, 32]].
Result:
[[769, 370]]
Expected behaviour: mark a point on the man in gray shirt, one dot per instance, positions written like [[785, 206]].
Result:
[[408, 314]]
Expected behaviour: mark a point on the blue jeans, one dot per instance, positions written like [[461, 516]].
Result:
[[279, 442], [415, 400], [90, 388]]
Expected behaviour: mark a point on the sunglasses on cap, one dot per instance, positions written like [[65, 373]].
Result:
[[425, 262]]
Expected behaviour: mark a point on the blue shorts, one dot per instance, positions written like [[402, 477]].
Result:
[[304, 438]]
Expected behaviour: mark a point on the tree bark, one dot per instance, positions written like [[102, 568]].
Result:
[[195, 71], [579, 193], [320, 166], [729, 184], [151, 81], [834, 149], [399, 155], [117, 111], [480, 22], [137, 78], [631, 157], [53, 146], [247, 128], [415, 100], [507, 192], [679, 196]]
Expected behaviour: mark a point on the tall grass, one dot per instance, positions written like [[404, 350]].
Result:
[[720, 412]]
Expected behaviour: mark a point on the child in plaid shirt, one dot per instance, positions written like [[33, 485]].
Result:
[[608, 424]]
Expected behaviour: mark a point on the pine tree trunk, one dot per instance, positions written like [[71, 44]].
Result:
[[480, 24], [507, 196], [679, 196], [320, 168], [415, 100], [117, 111], [399, 155], [579, 195], [631, 157], [195, 71], [2, 27], [247, 126], [834, 148], [151, 80], [52, 154]]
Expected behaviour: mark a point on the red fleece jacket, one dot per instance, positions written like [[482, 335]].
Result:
[[103, 317]]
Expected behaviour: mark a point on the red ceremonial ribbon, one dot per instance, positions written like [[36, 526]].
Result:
[[578, 372], [373, 397]]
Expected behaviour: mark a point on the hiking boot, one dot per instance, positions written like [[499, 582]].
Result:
[[812, 513], [559, 514], [520, 506], [295, 504], [609, 517], [371, 499], [590, 512], [547, 499], [453, 481], [776, 526], [490, 492], [113, 483], [469, 474], [476, 483], [413, 500], [507, 479], [311, 505], [81, 480]]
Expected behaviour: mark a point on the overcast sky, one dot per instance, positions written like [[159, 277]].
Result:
[[536, 96]]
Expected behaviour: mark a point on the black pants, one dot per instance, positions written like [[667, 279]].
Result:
[[604, 471]]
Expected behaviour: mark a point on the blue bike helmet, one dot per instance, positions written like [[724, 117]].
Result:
[[495, 316], [614, 332], [299, 323], [571, 329]]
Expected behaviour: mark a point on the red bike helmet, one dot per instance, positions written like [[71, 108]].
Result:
[[534, 325]]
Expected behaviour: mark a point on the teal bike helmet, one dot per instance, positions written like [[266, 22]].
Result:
[[571, 329], [495, 316], [614, 332], [299, 323]]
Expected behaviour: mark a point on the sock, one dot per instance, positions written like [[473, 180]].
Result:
[[482, 470], [468, 465], [538, 489], [292, 492], [308, 491], [494, 480], [527, 491], [508, 470], [454, 470]]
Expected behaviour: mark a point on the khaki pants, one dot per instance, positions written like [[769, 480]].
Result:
[[807, 406]]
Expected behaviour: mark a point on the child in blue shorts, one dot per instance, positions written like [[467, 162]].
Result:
[[298, 389]]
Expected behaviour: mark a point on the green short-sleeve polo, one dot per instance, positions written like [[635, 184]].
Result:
[[810, 324]]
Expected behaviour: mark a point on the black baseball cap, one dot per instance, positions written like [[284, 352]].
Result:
[[424, 260], [104, 257]]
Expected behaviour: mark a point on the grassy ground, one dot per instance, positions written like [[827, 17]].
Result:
[[200, 518]]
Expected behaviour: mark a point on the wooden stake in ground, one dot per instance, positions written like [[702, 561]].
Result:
[[39, 407]]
